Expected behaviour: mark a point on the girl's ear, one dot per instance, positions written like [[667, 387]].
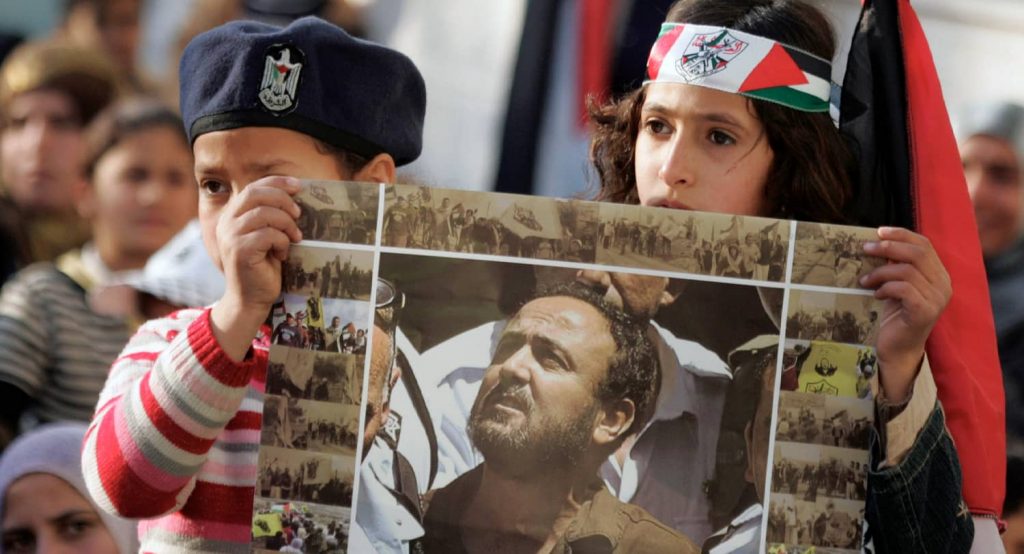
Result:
[[381, 169]]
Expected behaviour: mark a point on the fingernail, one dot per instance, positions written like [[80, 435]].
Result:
[[870, 245], [863, 280], [885, 230]]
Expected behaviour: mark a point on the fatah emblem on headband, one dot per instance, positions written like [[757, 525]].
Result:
[[281, 78], [708, 54]]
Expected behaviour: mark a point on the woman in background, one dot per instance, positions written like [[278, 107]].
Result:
[[56, 341], [44, 505]]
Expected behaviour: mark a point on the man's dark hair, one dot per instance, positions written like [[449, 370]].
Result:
[[633, 372]]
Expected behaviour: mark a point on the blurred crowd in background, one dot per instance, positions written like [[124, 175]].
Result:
[[96, 171]]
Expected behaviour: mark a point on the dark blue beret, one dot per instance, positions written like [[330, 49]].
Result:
[[310, 77]]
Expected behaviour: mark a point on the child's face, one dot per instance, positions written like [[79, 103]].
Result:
[[227, 161], [701, 149], [142, 193]]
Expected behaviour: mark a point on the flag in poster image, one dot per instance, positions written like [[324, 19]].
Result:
[[370, 409], [721, 245], [489, 223], [337, 212]]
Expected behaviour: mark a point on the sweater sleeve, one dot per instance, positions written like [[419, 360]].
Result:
[[167, 398], [916, 506], [24, 339]]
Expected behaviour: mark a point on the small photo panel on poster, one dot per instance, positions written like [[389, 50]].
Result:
[[489, 223], [790, 522], [794, 469], [831, 317], [801, 417], [693, 242], [288, 474], [311, 375], [335, 211], [322, 324], [310, 425], [328, 272], [276, 523], [828, 368], [833, 255]]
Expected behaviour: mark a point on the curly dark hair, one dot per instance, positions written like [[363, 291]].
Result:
[[634, 372], [811, 174]]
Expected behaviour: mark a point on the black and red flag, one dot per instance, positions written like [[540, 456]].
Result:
[[911, 176]]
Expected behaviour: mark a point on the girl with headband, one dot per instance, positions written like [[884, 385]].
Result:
[[734, 117]]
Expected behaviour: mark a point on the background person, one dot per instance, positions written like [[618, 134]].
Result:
[[49, 93], [55, 344], [113, 28], [44, 505], [992, 151]]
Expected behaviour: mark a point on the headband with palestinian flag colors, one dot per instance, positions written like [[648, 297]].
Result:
[[741, 63]]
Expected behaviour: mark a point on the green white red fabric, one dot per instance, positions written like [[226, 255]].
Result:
[[740, 63]]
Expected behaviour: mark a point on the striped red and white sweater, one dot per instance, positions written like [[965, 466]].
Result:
[[175, 438]]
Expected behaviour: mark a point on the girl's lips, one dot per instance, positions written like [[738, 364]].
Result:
[[674, 204]]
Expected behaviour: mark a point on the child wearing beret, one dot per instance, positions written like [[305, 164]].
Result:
[[175, 436]]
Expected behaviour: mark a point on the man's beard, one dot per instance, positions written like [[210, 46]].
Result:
[[536, 443]]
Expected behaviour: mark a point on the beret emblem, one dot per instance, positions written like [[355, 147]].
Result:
[[280, 82]]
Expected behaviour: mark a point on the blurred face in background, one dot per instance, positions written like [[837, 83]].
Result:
[[109, 25], [993, 173], [44, 514], [140, 195], [42, 150]]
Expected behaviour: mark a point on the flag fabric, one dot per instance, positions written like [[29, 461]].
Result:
[[540, 220], [266, 525], [314, 312], [740, 63], [327, 196], [892, 107], [299, 366], [284, 428], [732, 232]]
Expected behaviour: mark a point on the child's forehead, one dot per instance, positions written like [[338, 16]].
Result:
[[260, 151]]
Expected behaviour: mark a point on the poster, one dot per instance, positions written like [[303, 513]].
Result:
[[710, 369]]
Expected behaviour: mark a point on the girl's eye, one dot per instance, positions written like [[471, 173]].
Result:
[[657, 127], [213, 187], [721, 138]]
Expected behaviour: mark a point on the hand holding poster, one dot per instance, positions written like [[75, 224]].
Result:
[[701, 375]]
